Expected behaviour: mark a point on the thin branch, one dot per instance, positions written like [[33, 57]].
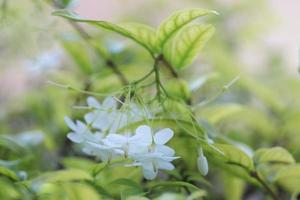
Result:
[[170, 68], [157, 78], [109, 63], [265, 185]]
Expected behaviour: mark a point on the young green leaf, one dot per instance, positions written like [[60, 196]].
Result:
[[68, 190], [289, 178], [129, 183], [275, 154], [63, 3], [175, 184], [175, 22], [8, 173], [62, 176], [183, 49], [142, 34], [235, 156]]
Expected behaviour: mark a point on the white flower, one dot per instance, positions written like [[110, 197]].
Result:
[[103, 115], [105, 152], [159, 156], [107, 118], [144, 148], [80, 132], [202, 163], [136, 144]]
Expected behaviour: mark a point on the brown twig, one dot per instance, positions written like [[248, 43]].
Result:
[[170, 68]]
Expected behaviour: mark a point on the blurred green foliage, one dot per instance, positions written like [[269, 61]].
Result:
[[246, 118]]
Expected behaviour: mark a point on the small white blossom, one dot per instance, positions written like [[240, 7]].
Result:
[[80, 132], [144, 148], [103, 115], [104, 152], [136, 144], [107, 118], [159, 156]]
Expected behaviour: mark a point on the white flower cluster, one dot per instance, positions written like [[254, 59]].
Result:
[[144, 148]]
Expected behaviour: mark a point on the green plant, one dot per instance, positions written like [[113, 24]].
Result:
[[148, 103]]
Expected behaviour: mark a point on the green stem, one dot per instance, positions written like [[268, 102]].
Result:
[[157, 77], [256, 176], [265, 185], [169, 67], [144, 77]]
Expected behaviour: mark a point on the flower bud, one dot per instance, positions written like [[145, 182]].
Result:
[[202, 163]]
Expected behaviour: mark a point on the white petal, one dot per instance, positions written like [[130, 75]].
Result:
[[115, 140], [89, 117], [102, 121], [202, 165], [143, 136], [134, 164], [166, 158], [143, 132], [148, 170], [136, 149], [165, 150], [92, 102], [149, 174], [98, 147], [109, 103], [88, 150], [98, 136], [75, 137], [70, 123], [163, 136], [103, 155], [119, 121], [81, 127], [165, 165]]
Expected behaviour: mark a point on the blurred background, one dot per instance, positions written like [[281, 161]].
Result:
[[257, 40], [28, 46]]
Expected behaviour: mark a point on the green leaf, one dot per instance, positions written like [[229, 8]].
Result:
[[129, 183], [68, 190], [235, 156], [142, 34], [175, 184], [289, 178], [233, 186], [137, 198], [178, 88], [79, 163], [132, 188], [61, 176], [175, 22], [215, 114], [8, 173], [273, 155], [197, 195], [183, 49], [63, 3]]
